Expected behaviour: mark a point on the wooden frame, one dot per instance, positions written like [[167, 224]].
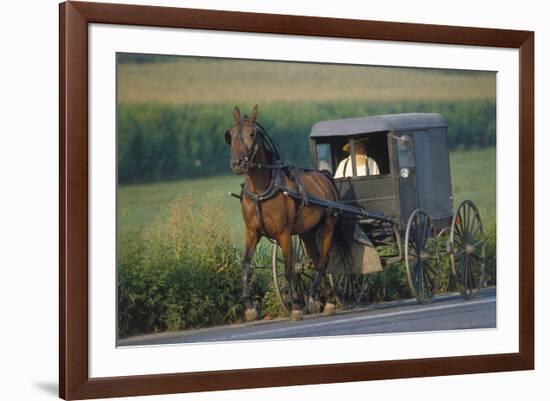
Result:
[[74, 382]]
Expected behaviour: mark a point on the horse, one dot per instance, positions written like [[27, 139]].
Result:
[[268, 212]]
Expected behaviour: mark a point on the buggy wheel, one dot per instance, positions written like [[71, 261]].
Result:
[[468, 249], [302, 266], [349, 289], [422, 256]]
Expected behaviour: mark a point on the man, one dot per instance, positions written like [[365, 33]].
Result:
[[365, 165]]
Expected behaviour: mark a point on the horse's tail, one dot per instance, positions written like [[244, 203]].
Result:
[[341, 237], [341, 240]]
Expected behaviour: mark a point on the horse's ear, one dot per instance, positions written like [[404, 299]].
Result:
[[236, 114], [227, 137], [254, 114]]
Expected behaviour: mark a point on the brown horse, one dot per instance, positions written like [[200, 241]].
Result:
[[268, 212]]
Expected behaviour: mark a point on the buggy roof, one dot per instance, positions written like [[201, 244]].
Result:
[[366, 125]]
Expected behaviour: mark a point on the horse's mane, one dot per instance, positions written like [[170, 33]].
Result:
[[272, 153]]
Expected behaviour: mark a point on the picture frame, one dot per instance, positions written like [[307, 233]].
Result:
[[74, 304]]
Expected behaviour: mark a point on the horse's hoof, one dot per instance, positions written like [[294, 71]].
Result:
[[297, 315], [313, 306], [330, 309], [250, 314]]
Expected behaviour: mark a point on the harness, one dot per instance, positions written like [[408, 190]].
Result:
[[278, 168]]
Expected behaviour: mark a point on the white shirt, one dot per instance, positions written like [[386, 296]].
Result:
[[365, 166]]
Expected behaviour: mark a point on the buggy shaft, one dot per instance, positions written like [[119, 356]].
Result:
[[342, 208]]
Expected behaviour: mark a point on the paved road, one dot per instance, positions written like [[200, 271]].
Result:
[[447, 312]]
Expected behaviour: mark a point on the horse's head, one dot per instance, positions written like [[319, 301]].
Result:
[[244, 141]]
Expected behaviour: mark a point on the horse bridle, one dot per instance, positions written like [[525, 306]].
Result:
[[251, 152]]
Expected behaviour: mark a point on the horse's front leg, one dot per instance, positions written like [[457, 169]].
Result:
[[285, 242], [251, 240]]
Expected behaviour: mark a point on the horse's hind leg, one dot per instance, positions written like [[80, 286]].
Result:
[[285, 242], [309, 239], [326, 233], [251, 241]]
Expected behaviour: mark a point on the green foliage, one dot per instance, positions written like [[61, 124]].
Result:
[[161, 142], [181, 271], [491, 254], [388, 285]]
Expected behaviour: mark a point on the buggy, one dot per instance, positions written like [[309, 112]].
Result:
[[402, 214]]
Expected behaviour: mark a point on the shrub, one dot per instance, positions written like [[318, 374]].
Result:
[[182, 271]]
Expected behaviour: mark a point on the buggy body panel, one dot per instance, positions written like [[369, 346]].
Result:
[[411, 151]]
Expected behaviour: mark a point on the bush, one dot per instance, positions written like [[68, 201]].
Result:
[[182, 271]]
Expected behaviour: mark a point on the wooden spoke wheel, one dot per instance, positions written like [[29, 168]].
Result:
[[349, 289], [422, 256], [467, 249], [302, 266]]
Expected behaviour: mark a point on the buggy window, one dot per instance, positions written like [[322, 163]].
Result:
[[376, 147], [324, 159]]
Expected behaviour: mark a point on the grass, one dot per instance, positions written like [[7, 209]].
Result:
[[139, 204], [182, 80], [473, 177]]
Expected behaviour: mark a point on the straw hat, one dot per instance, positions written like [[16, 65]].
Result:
[[345, 148]]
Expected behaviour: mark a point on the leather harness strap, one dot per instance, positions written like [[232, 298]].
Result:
[[275, 186], [273, 189]]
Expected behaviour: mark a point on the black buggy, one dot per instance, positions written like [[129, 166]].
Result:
[[404, 213]]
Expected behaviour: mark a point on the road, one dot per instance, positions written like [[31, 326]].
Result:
[[447, 312]]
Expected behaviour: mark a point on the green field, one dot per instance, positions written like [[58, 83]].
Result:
[[473, 175], [172, 111], [139, 204], [182, 80]]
